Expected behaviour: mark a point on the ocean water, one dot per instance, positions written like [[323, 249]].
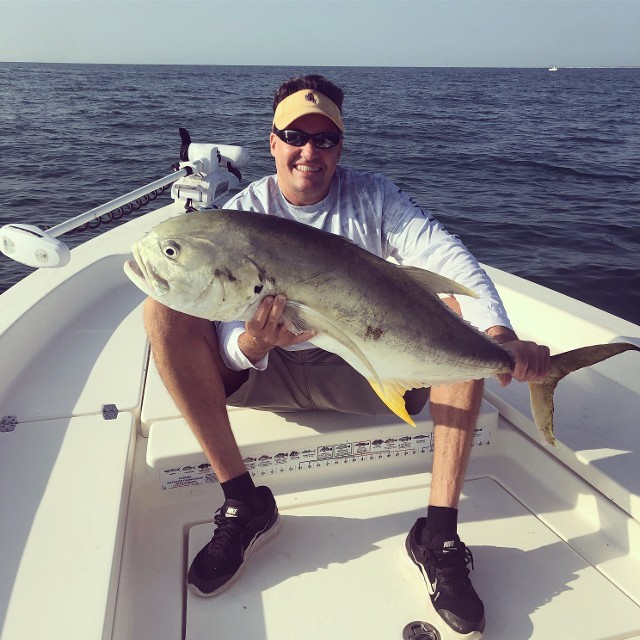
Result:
[[537, 172]]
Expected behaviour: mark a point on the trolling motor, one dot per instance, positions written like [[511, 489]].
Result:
[[218, 171], [205, 175]]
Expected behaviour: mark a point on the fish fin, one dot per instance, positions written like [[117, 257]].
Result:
[[299, 318], [435, 283], [392, 394], [542, 407], [562, 364]]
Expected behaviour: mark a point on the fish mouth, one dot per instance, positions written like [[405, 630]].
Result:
[[144, 277], [133, 272]]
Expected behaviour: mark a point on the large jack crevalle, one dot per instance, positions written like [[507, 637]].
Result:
[[385, 320]]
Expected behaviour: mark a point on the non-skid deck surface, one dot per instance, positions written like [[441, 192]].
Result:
[[337, 570]]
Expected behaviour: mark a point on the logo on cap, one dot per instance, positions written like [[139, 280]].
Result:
[[311, 97]]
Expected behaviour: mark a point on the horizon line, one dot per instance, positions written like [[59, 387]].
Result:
[[392, 66]]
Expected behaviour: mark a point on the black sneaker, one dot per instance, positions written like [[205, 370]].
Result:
[[238, 533], [444, 568]]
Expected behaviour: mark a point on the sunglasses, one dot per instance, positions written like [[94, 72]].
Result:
[[323, 140]]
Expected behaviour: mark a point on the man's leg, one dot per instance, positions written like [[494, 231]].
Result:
[[186, 353], [454, 410], [433, 543], [185, 350]]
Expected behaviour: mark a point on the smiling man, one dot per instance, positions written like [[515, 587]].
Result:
[[261, 364], [305, 170]]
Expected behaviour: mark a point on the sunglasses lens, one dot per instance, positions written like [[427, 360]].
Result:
[[326, 140], [294, 138]]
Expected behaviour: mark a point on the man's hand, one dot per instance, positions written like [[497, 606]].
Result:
[[533, 361], [266, 331]]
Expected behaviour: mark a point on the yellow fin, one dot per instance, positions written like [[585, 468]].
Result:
[[392, 394]]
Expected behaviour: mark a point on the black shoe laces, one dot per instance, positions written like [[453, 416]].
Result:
[[227, 534], [452, 567]]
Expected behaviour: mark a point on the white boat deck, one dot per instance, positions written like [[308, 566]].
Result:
[[106, 514], [337, 570]]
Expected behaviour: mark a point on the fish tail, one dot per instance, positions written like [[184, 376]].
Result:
[[393, 396], [562, 365]]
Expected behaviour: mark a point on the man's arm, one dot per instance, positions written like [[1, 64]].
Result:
[[413, 237], [416, 238]]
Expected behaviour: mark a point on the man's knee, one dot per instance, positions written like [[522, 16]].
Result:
[[453, 304], [177, 337], [165, 326]]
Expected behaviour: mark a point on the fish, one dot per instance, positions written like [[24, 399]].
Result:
[[384, 319]]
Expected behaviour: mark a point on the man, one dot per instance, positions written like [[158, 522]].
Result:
[[261, 364]]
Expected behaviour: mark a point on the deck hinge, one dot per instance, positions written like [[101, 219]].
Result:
[[8, 423], [109, 411]]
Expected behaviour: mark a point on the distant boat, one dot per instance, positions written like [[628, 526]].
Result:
[[554, 68]]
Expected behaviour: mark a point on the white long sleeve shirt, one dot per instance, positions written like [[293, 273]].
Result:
[[371, 211]]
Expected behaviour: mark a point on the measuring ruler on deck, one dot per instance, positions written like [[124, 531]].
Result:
[[327, 457]]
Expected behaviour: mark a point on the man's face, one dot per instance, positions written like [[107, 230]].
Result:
[[304, 173]]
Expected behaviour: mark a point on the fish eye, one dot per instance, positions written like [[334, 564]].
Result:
[[171, 249]]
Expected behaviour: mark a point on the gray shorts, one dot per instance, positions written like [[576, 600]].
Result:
[[315, 380]]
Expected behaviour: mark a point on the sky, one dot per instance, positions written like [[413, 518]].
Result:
[[432, 33]]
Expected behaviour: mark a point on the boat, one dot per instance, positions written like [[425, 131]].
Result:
[[554, 68], [106, 496]]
